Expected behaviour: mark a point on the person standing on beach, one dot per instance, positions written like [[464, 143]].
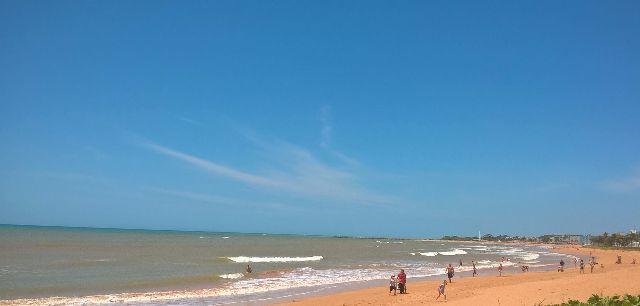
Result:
[[475, 272], [402, 282], [575, 262], [591, 265], [393, 285], [249, 269], [500, 269], [450, 273], [581, 266], [441, 290], [460, 262]]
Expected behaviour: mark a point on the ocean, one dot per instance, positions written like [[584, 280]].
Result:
[[83, 265]]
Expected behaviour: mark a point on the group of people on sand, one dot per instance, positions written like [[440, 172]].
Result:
[[450, 274], [619, 261], [580, 263], [398, 283], [450, 271]]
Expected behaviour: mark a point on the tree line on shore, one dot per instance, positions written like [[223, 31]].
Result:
[[630, 239], [489, 237], [617, 239]]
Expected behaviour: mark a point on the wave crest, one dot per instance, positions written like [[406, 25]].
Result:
[[454, 252], [231, 275], [245, 259]]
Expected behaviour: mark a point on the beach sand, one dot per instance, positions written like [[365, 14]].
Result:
[[513, 288]]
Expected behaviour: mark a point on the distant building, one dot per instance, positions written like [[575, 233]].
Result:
[[566, 239]]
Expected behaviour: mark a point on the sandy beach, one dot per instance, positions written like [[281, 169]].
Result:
[[513, 288]]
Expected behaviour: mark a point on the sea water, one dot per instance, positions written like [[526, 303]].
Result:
[[82, 265]]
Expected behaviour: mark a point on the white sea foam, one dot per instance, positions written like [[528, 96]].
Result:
[[297, 278], [529, 256], [232, 275], [388, 242], [412, 253], [430, 254], [225, 237], [307, 277], [453, 252], [476, 248], [245, 259]]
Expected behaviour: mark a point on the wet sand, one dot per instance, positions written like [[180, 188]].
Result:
[[513, 288]]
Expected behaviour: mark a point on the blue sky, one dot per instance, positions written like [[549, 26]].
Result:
[[408, 118]]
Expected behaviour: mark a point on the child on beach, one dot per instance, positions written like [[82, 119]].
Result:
[[581, 266], [393, 285], [500, 269], [475, 272], [441, 290]]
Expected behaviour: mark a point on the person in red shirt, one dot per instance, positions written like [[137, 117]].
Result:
[[402, 282]]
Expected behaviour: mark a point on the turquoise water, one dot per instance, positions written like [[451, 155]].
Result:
[[42, 262]]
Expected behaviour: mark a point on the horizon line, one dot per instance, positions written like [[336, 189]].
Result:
[[276, 234]]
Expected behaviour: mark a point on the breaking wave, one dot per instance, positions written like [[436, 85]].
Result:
[[245, 259]]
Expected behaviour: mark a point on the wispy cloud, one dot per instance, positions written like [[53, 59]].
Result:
[[217, 199], [191, 121], [628, 184], [295, 171], [212, 167], [211, 199], [326, 130]]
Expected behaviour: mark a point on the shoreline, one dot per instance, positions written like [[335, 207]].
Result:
[[294, 295], [513, 288]]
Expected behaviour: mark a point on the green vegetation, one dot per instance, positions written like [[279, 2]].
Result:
[[489, 237], [616, 300], [606, 240], [616, 239]]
